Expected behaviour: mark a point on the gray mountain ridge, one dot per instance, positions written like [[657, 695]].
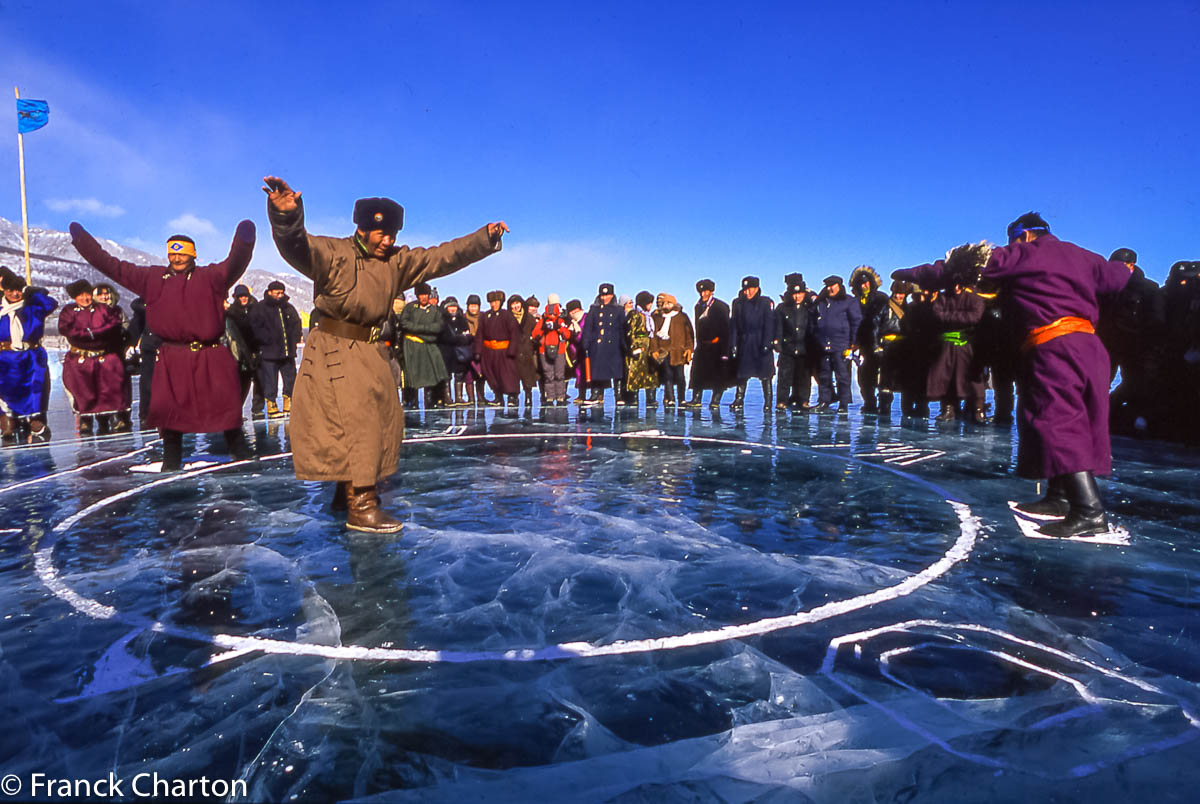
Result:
[[55, 263]]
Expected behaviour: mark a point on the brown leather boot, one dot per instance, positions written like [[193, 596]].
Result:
[[338, 504], [363, 512], [6, 426]]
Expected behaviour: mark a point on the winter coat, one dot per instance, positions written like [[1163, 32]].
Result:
[[276, 328], [835, 321], [421, 327], [753, 335], [953, 372], [603, 342], [640, 371], [791, 322], [679, 343], [527, 366], [456, 342], [347, 422], [711, 368]]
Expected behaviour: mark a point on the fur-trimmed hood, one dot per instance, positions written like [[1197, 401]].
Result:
[[869, 273]]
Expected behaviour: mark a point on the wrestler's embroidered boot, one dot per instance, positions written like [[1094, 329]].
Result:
[[363, 512], [1086, 515], [1053, 504]]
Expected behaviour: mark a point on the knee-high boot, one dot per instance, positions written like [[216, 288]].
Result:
[[1086, 513]]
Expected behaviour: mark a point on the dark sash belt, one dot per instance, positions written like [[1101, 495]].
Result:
[[195, 346], [344, 329]]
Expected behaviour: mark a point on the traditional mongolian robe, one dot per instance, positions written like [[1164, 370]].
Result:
[[496, 350], [1062, 420], [710, 366], [93, 372], [196, 388], [604, 342], [423, 363], [24, 371], [955, 373], [641, 371], [347, 422], [753, 334]]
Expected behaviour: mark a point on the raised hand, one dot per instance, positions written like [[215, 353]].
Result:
[[282, 197], [495, 230]]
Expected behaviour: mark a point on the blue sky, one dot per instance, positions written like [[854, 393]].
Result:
[[644, 144]]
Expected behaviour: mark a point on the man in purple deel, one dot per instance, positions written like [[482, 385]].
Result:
[[1050, 289]]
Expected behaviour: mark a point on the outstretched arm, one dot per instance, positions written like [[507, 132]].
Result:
[[239, 253], [286, 213], [123, 273], [422, 264]]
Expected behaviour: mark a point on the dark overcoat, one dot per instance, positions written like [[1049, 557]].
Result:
[[603, 342], [711, 369], [753, 332]]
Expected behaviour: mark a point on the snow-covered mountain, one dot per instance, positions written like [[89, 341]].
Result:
[[55, 264]]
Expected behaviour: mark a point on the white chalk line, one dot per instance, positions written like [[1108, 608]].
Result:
[[83, 468], [827, 669], [970, 528]]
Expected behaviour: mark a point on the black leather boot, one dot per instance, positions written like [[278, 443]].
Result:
[[715, 402], [1086, 515], [885, 403], [739, 397], [1053, 504], [768, 395]]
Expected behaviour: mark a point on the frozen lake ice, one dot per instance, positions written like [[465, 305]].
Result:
[[604, 606]]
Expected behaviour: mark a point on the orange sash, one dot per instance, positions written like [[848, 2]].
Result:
[[1063, 326], [496, 344]]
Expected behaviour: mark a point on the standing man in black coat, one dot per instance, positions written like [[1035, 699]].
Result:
[[1132, 329], [457, 347], [710, 364], [277, 331], [887, 334], [603, 344], [239, 313], [791, 324], [866, 283], [752, 340], [835, 328]]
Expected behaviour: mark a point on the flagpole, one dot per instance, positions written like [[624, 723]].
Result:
[[24, 208]]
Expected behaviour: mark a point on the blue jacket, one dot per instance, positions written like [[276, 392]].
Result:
[[835, 321]]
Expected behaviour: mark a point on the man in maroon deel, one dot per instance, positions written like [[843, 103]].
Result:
[[196, 386], [1050, 288]]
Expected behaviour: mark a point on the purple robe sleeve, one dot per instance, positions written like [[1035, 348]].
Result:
[[1112, 277], [123, 273], [240, 253]]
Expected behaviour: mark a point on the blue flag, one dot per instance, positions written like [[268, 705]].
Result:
[[32, 115]]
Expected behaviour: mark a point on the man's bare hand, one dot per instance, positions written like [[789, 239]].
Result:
[[495, 230], [280, 195]]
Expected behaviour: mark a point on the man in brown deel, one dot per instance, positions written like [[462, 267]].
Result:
[[347, 422]]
